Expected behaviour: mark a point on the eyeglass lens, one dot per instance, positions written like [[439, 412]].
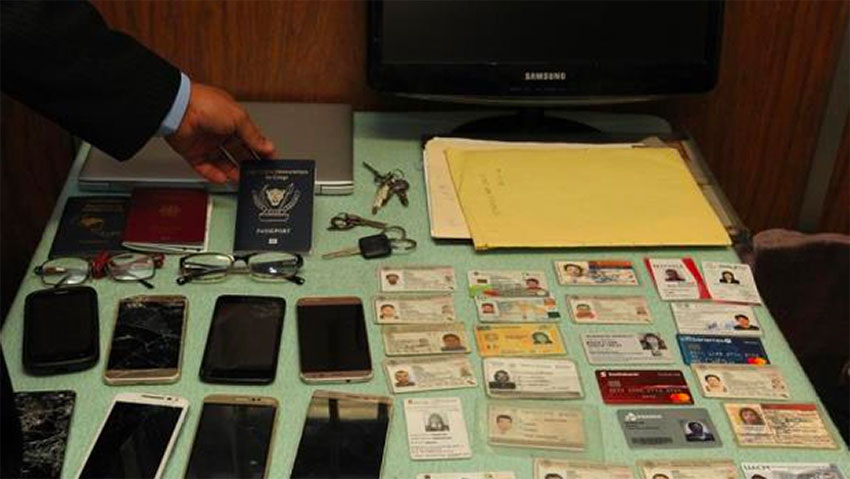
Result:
[[64, 271]]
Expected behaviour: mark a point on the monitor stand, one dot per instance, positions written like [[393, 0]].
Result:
[[529, 124]]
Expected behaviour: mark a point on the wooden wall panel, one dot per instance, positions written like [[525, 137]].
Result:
[[836, 210]]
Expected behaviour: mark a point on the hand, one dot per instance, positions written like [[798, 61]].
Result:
[[212, 116]]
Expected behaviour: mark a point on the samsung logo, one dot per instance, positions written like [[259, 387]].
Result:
[[537, 76]]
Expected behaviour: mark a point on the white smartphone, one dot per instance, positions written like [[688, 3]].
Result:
[[136, 437]]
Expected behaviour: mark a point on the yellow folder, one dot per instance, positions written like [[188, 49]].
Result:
[[582, 198]]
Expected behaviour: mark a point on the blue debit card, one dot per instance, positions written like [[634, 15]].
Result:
[[722, 349]]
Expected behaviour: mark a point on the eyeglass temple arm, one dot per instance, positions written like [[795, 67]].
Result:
[[189, 276]]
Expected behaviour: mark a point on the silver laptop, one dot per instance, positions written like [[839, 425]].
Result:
[[314, 131]]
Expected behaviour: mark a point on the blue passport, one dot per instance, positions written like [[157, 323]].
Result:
[[275, 206], [722, 349], [90, 225]]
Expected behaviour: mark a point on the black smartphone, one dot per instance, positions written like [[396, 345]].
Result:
[[332, 342], [61, 330], [244, 340]]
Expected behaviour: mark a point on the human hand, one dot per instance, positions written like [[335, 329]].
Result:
[[212, 116]]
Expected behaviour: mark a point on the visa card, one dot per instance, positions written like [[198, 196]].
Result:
[[629, 386], [722, 349]]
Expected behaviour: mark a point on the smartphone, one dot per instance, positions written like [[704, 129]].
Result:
[[136, 437], [147, 343], [61, 332], [234, 437], [244, 340], [344, 436], [46, 422], [332, 341]]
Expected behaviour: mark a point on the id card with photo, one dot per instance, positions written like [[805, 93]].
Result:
[[502, 309], [467, 475], [519, 340], [596, 273], [626, 348], [779, 425], [439, 308], [668, 428], [688, 469], [555, 468], [791, 470], [507, 283], [722, 349], [677, 279], [716, 319], [417, 279], [436, 428], [423, 339], [741, 381], [610, 309], [429, 373], [632, 386], [732, 282], [532, 378], [536, 427]]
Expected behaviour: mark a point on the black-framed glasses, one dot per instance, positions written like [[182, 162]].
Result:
[[209, 267], [123, 267]]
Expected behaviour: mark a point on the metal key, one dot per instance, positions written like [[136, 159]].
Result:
[[379, 178], [381, 197], [347, 221], [369, 247], [400, 186]]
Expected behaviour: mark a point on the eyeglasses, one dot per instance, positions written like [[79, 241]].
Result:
[[209, 267], [124, 267]]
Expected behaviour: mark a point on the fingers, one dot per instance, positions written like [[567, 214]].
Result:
[[251, 135]]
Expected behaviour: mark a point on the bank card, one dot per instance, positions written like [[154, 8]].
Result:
[[434, 308], [423, 339], [741, 381], [677, 279], [722, 349], [731, 282], [688, 469], [536, 427], [467, 475], [715, 319], [610, 309], [507, 283], [668, 428], [395, 279], [556, 468], [502, 309], [533, 339], [596, 273], [632, 386], [791, 470], [436, 428], [779, 425], [626, 348], [532, 378], [429, 373]]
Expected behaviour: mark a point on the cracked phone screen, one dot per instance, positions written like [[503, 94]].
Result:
[[147, 334]]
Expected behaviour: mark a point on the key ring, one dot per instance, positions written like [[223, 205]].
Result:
[[399, 240], [342, 221]]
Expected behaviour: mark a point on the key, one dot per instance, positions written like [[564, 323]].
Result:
[[369, 247], [399, 187], [380, 197], [347, 221], [378, 177]]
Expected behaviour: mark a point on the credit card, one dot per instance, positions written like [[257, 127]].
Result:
[[668, 428], [643, 387], [722, 349]]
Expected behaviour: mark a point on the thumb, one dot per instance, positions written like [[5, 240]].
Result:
[[250, 134]]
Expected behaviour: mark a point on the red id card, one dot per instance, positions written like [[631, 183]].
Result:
[[628, 386]]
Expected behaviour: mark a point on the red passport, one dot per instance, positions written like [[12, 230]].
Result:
[[168, 220]]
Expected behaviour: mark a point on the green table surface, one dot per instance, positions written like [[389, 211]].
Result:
[[386, 140]]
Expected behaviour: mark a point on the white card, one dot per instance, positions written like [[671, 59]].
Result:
[[532, 378], [715, 319], [467, 475], [688, 469], [596, 273], [429, 373], [495, 309], [417, 279], [610, 309], [423, 339], [414, 309], [556, 468], [791, 470], [741, 381], [677, 279], [507, 283], [436, 428], [626, 348], [536, 426], [731, 282]]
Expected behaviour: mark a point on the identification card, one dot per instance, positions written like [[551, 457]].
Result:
[[677, 279], [791, 470], [643, 387], [532, 378], [429, 373], [495, 309], [414, 309], [536, 427], [596, 273], [519, 340], [423, 339], [741, 381], [417, 279], [626, 348], [507, 283], [436, 428], [610, 309], [779, 425], [722, 349], [716, 319], [688, 469], [554, 468], [467, 475], [731, 282], [668, 428]]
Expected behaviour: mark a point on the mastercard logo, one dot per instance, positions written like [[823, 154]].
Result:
[[680, 398], [757, 361]]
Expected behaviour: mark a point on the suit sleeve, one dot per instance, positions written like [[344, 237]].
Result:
[[61, 59]]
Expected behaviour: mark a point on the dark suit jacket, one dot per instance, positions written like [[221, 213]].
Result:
[[62, 60]]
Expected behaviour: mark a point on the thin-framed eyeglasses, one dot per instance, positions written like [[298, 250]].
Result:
[[122, 267], [270, 266]]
